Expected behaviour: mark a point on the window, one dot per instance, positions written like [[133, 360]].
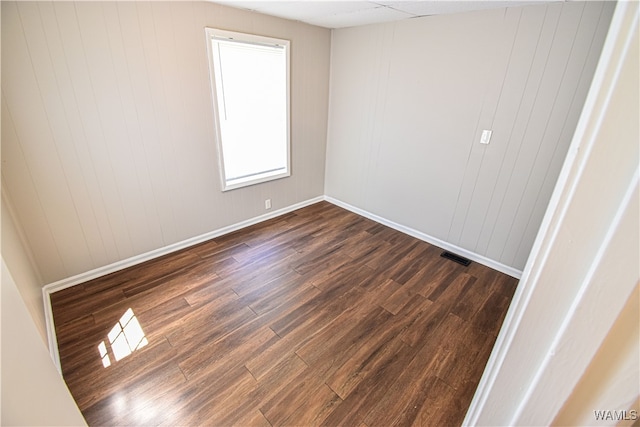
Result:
[[250, 85]]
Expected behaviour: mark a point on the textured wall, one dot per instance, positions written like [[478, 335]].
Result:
[[108, 146], [410, 99]]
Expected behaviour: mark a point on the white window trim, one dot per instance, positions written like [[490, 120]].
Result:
[[212, 33]]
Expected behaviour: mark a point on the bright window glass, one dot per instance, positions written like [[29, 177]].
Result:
[[250, 81]]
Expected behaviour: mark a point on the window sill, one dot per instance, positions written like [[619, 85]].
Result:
[[233, 184]]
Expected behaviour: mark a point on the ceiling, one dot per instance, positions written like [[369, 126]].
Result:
[[347, 13]]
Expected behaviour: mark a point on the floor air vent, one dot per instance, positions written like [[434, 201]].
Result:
[[455, 258]]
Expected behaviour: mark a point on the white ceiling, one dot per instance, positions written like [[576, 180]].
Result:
[[348, 13]]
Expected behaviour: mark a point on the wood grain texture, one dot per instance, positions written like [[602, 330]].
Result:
[[317, 317]]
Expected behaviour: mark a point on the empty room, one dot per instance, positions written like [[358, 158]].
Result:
[[358, 213]]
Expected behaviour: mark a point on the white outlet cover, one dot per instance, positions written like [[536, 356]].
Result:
[[486, 136]]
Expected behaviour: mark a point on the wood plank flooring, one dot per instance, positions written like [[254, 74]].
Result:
[[317, 317]]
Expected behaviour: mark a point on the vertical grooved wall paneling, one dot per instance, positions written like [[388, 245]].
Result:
[[108, 146], [409, 101]]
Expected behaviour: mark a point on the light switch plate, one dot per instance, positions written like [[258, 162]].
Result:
[[486, 136]]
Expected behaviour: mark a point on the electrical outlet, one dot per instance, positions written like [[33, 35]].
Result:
[[486, 136], [267, 204]]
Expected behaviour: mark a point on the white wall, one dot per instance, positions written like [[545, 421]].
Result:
[[22, 268], [33, 392], [584, 267], [108, 147], [613, 376], [409, 100]]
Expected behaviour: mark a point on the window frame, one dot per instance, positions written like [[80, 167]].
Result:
[[211, 35]]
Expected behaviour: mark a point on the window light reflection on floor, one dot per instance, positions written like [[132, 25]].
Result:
[[125, 337]]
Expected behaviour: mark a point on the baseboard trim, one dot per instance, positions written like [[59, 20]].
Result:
[[52, 340], [429, 239], [59, 285]]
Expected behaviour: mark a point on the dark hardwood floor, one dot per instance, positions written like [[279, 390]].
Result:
[[318, 317]]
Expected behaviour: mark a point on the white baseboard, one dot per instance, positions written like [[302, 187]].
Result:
[[47, 290], [52, 340], [138, 259], [429, 239]]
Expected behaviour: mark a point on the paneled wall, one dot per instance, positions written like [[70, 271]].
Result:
[[409, 101], [108, 146]]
